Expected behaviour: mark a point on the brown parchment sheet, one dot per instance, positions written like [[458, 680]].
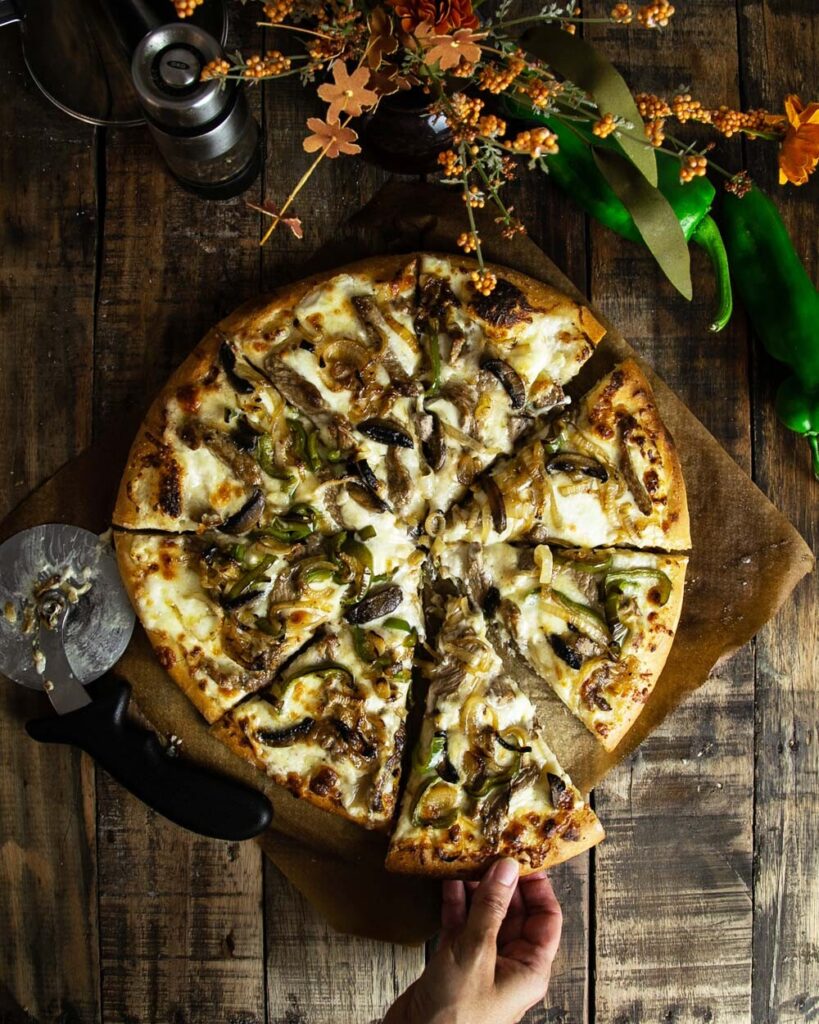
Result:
[[745, 560]]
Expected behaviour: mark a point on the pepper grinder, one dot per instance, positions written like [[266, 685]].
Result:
[[204, 130]]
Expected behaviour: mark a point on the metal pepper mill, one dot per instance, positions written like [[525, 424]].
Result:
[[204, 130]]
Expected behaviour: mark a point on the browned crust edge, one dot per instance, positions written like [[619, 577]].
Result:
[[635, 390], [227, 731], [403, 858]]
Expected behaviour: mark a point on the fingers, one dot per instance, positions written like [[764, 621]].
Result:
[[544, 919], [453, 906], [490, 902]]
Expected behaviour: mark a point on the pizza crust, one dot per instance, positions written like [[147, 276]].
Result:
[[410, 858]]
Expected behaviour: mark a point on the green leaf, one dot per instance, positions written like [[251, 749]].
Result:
[[576, 60], [652, 214]]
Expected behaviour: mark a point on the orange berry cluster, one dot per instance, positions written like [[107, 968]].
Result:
[[215, 69], [541, 93], [692, 167], [466, 113], [468, 241], [268, 66], [605, 126], [622, 14], [512, 228], [495, 78], [277, 10], [491, 127], [729, 122], [655, 15], [686, 109], [651, 106], [484, 281], [477, 200], [450, 164], [535, 142], [185, 8], [655, 131]]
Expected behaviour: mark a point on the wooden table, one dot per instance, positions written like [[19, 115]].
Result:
[[703, 905]]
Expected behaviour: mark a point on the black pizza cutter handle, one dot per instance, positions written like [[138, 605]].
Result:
[[184, 793]]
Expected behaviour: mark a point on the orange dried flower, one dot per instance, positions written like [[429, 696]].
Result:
[[448, 50], [333, 138], [347, 93], [382, 41], [442, 15], [799, 152]]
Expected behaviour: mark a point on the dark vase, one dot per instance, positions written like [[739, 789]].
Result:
[[404, 135]]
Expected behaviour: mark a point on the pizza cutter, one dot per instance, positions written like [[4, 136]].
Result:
[[65, 619]]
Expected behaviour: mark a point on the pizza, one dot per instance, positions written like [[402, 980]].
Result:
[[344, 484], [603, 474], [596, 626], [483, 782]]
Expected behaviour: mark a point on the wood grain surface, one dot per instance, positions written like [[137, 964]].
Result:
[[703, 905]]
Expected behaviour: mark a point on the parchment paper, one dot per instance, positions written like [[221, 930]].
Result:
[[738, 577]]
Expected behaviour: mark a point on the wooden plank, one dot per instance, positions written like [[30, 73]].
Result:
[[48, 237], [786, 884], [181, 929], [672, 885], [318, 976]]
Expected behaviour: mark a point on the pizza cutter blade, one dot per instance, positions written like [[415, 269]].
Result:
[[65, 620]]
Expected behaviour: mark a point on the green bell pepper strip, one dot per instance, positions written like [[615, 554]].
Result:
[[426, 813], [573, 169], [622, 580], [247, 579], [782, 304], [434, 352]]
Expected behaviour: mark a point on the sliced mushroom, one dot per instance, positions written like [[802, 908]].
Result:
[[576, 464], [297, 390], [375, 605], [433, 446], [399, 481], [284, 737], [497, 505], [386, 432], [557, 790], [361, 468], [642, 498], [509, 378], [247, 516], [491, 602], [566, 651], [227, 357]]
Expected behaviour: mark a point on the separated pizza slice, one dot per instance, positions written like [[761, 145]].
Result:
[[492, 365], [597, 626], [483, 783], [224, 614], [605, 473], [331, 727]]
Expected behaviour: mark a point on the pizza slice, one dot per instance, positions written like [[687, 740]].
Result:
[[596, 625], [605, 473], [224, 614], [483, 782], [331, 727], [492, 364]]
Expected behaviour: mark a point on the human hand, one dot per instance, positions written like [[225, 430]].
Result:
[[494, 959]]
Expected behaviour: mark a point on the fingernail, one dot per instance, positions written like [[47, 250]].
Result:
[[506, 872]]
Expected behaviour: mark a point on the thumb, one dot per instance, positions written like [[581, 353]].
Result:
[[490, 902]]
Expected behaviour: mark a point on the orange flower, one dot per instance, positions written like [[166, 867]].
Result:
[[347, 93], [333, 138], [448, 50], [382, 42], [799, 152], [443, 15]]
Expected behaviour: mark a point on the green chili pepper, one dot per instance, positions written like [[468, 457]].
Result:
[[299, 523], [298, 436], [322, 670], [314, 459], [367, 532], [314, 570], [623, 581], [782, 304], [573, 169], [434, 352], [364, 646], [594, 565], [237, 552], [250, 577], [435, 754], [584, 618], [264, 456]]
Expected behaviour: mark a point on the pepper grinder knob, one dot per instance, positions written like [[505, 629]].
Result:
[[204, 130]]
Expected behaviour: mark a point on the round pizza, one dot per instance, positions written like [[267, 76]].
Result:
[[338, 492]]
